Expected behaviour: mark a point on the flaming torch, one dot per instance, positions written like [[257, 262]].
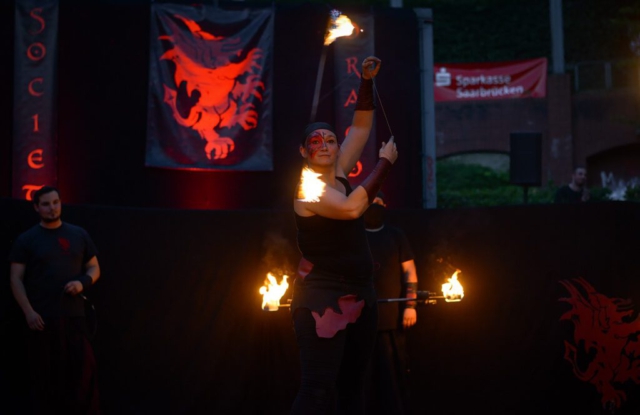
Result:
[[311, 187], [451, 292], [339, 25], [272, 292], [452, 289]]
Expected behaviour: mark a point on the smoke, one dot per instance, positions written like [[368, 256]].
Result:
[[279, 252]]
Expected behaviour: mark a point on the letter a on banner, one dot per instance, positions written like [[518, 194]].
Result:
[[349, 52], [35, 161]]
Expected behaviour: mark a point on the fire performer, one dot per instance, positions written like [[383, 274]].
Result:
[[334, 302]]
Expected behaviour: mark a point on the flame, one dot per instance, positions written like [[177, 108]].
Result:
[[340, 26], [452, 290], [272, 292], [311, 187]]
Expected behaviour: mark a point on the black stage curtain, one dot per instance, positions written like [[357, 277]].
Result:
[[180, 328]]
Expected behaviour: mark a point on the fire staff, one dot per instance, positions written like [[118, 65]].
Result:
[[334, 303]]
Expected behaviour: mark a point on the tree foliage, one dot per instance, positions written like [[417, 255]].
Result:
[[503, 30], [469, 185]]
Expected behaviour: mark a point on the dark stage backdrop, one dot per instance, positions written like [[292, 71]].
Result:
[[104, 81], [180, 329]]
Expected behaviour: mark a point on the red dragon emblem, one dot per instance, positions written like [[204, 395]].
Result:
[[605, 350], [218, 81], [64, 243]]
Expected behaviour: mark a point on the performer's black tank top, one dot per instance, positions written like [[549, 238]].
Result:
[[336, 246]]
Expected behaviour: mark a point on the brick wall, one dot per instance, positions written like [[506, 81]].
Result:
[[574, 126]]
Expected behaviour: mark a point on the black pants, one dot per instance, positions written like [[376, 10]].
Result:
[[333, 369], [62, 369]]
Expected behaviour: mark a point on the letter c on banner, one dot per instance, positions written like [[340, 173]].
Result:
[[35, 159], [32, 91]]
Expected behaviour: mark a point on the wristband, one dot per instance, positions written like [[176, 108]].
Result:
[[86, 281], [365, 100], [373, 182], [412, 292]]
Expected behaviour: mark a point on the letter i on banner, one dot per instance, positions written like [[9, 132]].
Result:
[[34, 155], [349, 52]]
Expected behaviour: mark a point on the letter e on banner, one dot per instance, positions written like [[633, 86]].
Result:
[[35, 159]]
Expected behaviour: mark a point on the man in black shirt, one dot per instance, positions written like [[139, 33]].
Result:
[[576, 191], [52, 264]]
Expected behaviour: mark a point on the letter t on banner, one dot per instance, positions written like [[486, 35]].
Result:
[[349, 52], [34, 135]]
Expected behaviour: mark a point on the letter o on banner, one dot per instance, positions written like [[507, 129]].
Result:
[[36, 51]]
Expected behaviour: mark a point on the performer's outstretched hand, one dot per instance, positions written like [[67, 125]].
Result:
[[389, 150], [370, 67]]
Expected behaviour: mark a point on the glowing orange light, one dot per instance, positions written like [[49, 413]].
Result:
[[272, 292], [311, 187], [452, 290], [340, 26]]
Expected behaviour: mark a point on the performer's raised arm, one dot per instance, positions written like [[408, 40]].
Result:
[[360, 129]]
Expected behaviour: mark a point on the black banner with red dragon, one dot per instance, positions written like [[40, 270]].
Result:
[[210, 73], [605, 346]]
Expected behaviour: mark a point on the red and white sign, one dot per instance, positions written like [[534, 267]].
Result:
[[494, 80]]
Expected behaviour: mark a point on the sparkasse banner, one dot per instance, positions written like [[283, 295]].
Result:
[[490, 80]]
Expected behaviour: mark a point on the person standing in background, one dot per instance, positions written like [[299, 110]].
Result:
[[52, 264], [395, 276], [576, 191]]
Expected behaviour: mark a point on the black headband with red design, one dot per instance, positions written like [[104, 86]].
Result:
[[316, 126]]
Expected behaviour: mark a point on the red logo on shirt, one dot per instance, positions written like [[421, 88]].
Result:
[[64, 243]]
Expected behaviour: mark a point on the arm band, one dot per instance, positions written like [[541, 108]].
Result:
[[365, 100], [412, 292], [373, 182], [86, 282]]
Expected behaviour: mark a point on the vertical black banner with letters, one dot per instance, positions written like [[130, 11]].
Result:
[[35, 161], [349, 52]]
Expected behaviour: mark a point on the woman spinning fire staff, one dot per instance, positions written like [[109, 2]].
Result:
[[334, 303]]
